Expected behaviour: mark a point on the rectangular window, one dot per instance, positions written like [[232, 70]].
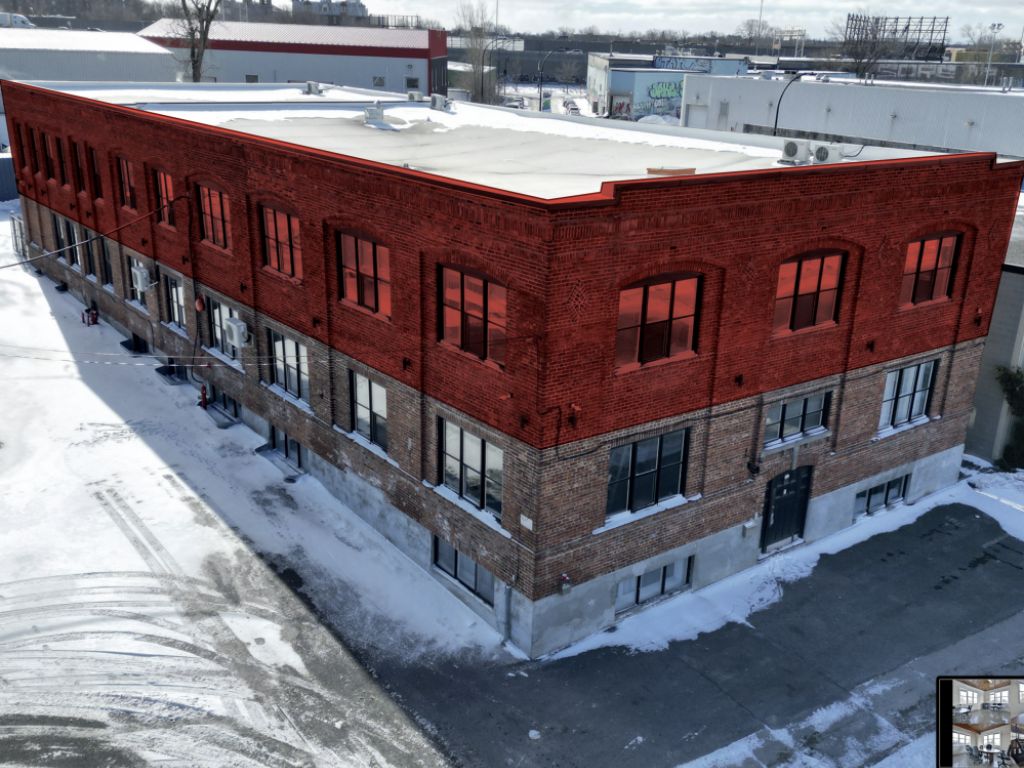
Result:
[[95, 173], [290, 369], [126, 183], [135, 293], [174, 294], [252, 78], [882, 495], [471, 467], [995, 739], [218, 338], [468, 572], [999, 697], [661, 581], [906, 395], [47, 154], [106, 268], [474, 315], [960, 738], [412, 83], [71, 238], [22, 148], [364, 273], [59, 238], [796, 418], [33, 153], [87, 251], [77, 172], [215, 221], [657, 321], [928, 269], [287, 446], [968, 697], [1020, 693], [62, 172], [369, 409], [808, 291], [648, 471], [164, 187], [282, 249]]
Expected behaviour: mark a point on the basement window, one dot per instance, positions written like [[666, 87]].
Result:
[[463, 568], [882, 495], [637, 590]]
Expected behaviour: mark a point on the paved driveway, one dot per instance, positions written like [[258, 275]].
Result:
[[840, 671]]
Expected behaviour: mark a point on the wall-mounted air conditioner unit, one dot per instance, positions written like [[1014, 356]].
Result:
[[236, 332], [414, 95], [439, 101], [825, 153], [796, 151], [140, 279]]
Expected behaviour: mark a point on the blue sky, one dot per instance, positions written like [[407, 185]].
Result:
[[722, 15]]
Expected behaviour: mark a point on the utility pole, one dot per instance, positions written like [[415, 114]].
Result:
[[757, 44]]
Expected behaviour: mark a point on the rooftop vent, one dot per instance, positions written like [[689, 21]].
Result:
[[374, 114], [313, 88]]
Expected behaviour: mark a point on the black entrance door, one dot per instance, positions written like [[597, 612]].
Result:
[[786, 506]]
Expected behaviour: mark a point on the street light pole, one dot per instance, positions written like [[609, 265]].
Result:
[[757, 44], [995, 28], [483, 64], [540, 84]]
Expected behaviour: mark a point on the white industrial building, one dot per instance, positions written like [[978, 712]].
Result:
[[63, 54], [632, 86], [907, 114], [395, 60]]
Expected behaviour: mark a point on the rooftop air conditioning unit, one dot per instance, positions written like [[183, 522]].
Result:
[[795, 152], [439, 101], [313, 88], [374, 114], [825, 153], [414, 96], [140, 279], [236, 333]]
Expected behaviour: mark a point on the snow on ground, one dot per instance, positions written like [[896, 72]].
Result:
[[135, 619]]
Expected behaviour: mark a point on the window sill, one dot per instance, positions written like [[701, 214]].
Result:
[[287, 396], [230, 362], [279, 275], [109, 288], [373, 448], [622, 370], [171, 229], [942, 300], [800, 439], [226, 250], [778, 335], [137, 307], [92, 278], [889, 431], [620, 519], [470, 356], [485, 517], [349, 304], [177, 330]]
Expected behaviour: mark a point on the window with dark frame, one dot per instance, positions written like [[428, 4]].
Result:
[[657, 320], [77, 171], [474, 314], [219, 313], [174, 293], [364, 273], [106, 267], [59, 238], [22, 149], [287, 446], [290, 368], [669, 578], [134, 294], [882, 495], [95, 173], [796, 418], [906, 395], [72, 240], [126, 183], [87, 252], [808, 291], [44, 139], [215, 218], [369, 409], [164, 186], [282, 246], [928, 269], [471, 467], [643, 473], [33, 153], [62, 169], [467, 571]]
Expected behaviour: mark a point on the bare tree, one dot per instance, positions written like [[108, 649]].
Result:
[[473, 18], [865, 43], [752, 30], [197, 16]]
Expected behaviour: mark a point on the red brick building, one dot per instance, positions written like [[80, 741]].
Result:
[[567, 367]]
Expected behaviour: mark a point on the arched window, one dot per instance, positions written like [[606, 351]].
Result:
[[657, 319], [808, 291]]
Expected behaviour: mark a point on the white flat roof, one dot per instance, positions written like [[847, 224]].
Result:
[[298, 34], [76, 40], [540, 155]]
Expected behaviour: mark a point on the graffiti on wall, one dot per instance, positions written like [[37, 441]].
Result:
[[664, 90], [683, 63], [622, 106], [663, 98]]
